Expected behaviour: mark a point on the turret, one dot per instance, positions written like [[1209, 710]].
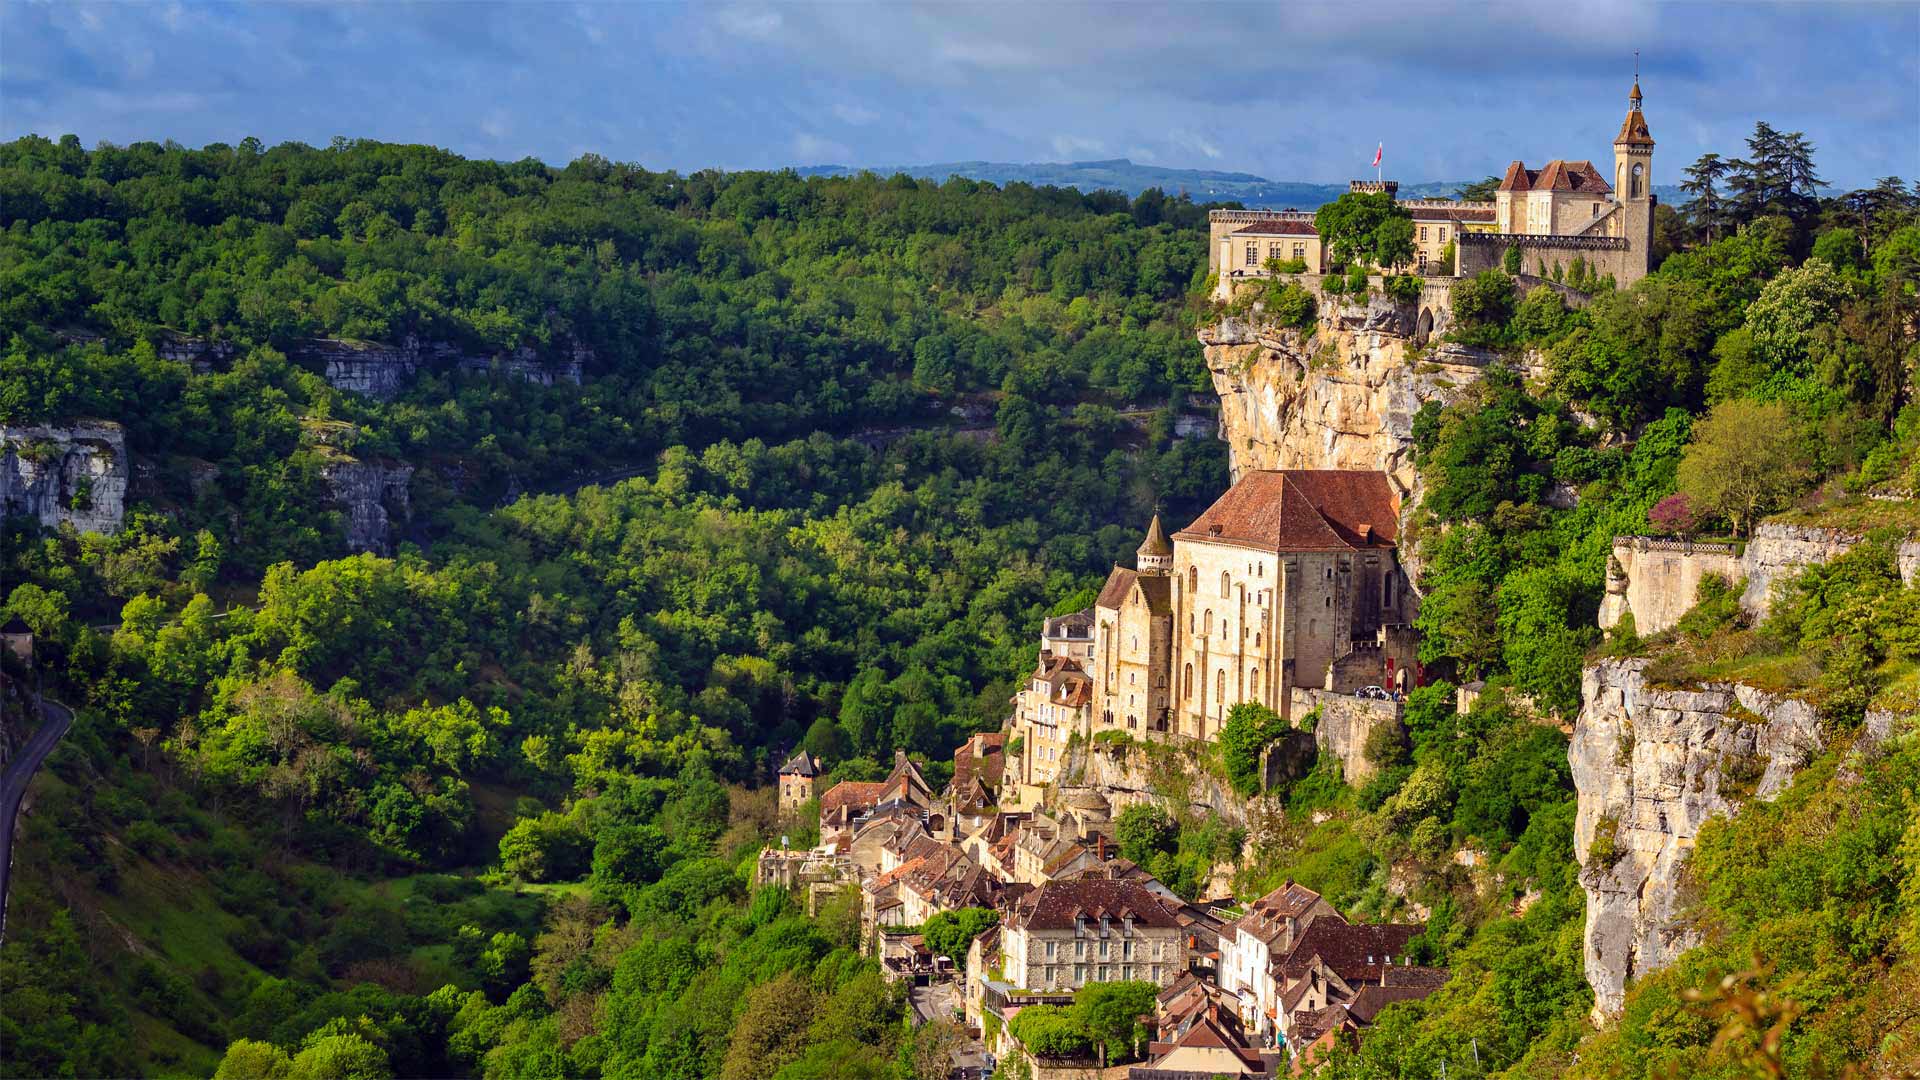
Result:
[[1155, 555]]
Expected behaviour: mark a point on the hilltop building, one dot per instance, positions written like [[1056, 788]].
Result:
[[1565, 210], [796, 781]]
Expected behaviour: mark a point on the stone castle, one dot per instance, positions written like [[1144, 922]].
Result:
[[1563, 211]]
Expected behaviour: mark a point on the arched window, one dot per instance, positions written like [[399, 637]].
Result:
[[1639, 178], [1193, 579], [1253, 682], [1206, 621], [1136, 643], [1226, 585], [1329, 573], [1329, 601], [1219, 688], [1186, 682]]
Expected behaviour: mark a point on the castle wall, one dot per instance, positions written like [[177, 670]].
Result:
[[1660, 579], [1345, 724]]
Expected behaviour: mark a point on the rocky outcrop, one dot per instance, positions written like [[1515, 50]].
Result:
[[1139, 775], [73, 473], [1650, 767], [1342, 398], [370, 495], [1777, 552]]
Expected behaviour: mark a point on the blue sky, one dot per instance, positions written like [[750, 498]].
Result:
[[1455, 90]]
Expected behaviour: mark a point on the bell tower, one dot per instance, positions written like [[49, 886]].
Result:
[[1633, 185], [1155, 555]]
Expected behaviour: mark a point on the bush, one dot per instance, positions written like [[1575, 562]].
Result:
[[1403, 287], [1333, 284], [1510, 261], [1250, 727], [1291, 305]]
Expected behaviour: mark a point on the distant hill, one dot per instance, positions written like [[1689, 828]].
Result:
[[1120, 174]]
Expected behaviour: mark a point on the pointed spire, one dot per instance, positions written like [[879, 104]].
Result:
[[1156, 543]]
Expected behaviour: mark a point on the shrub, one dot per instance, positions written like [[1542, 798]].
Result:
[[1510, 261], [1673, 515], [1356, 280], [1604, 851], [1333, 284], [1291, 305], [1403, 287], [1250, 727]]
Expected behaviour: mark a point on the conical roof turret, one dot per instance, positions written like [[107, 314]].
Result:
[[1156, 542]]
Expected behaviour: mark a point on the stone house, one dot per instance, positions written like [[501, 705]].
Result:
[[1066, 934], [1069, 636], [1054, 706], [796, 781], [1251, 945]]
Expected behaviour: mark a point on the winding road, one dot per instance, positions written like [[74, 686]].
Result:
[[55, 720]]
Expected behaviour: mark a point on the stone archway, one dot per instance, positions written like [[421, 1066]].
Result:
[[1424, 327]]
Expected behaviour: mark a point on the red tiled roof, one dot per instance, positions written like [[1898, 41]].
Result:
[[1450, 213], [1302, 510], [987, 765], [1054, 905], [851, 793], [1558, 175], [1279, 227]]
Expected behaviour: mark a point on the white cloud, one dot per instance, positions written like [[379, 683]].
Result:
[[758, 24], [1143, 155], [496, 125], [857, 115], [1188, 140], [1069, 145], [811, 149]]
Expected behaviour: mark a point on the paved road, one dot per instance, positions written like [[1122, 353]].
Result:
[[55, 720]]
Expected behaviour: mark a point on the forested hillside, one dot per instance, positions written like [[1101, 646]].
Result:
[[289, 765], [488, 806]]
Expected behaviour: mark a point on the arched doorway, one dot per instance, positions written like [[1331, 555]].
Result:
[[1424, 327]]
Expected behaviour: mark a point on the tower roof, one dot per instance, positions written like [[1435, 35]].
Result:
[[1156, 542], [1633, 130]]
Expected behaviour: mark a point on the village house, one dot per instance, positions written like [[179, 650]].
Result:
[[979, 765], [1066, 934], [1198, 1034], [1054, 707], [1265, 935]]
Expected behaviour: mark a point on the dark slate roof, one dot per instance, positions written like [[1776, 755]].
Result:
[[1054, 905], [1350, 950], [800, 764], [1302, 510]]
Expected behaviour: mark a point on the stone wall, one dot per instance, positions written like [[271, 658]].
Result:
[[73, 473], [370, 494], [1650, 767], [1478, 252], [1657, 580], [1346, 722]]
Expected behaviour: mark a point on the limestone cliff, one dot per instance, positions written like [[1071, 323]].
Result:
[[73, 473], [1650, 767], [1778, 551], [1341, 398], [370, 494]]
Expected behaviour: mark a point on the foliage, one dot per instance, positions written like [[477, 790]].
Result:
[[1249, 728], [950, 933], [1744, 460], [1366, 227]]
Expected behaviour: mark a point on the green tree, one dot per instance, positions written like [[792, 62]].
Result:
[[247, 1059], [950, 933], [1366, 227], [340, 1057], [1743, 461], [1249, 729], [1144, 831]]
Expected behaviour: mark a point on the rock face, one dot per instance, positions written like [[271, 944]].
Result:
[[1650, 767], [1343, 398], [370, 494], [76, 473], [1777, 552], [1126, 779], [1346, 723]]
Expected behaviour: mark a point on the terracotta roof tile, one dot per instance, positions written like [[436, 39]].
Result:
[[1054, 905], [1279, 227], [1302, 510], [851, 793], [1557, 175]]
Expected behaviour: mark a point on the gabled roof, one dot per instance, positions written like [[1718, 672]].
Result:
[[851, 793], [1302, 510], [800, 764], [1155, 590], [1055, 905], [1353, 951], [1558, 175], [981, 759], [1266, 919]]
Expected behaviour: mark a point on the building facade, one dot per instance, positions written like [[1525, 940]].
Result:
[[1133, 640], [1066, 934]]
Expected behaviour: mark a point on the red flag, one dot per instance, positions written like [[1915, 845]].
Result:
[[1377, 151]]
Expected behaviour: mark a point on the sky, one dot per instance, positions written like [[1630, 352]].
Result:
[[1291, 92]]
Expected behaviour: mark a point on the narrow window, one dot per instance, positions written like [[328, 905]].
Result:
[[1253, 681], [1226, 585]]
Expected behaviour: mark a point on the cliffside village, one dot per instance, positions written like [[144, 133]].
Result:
[[1287, 592]]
